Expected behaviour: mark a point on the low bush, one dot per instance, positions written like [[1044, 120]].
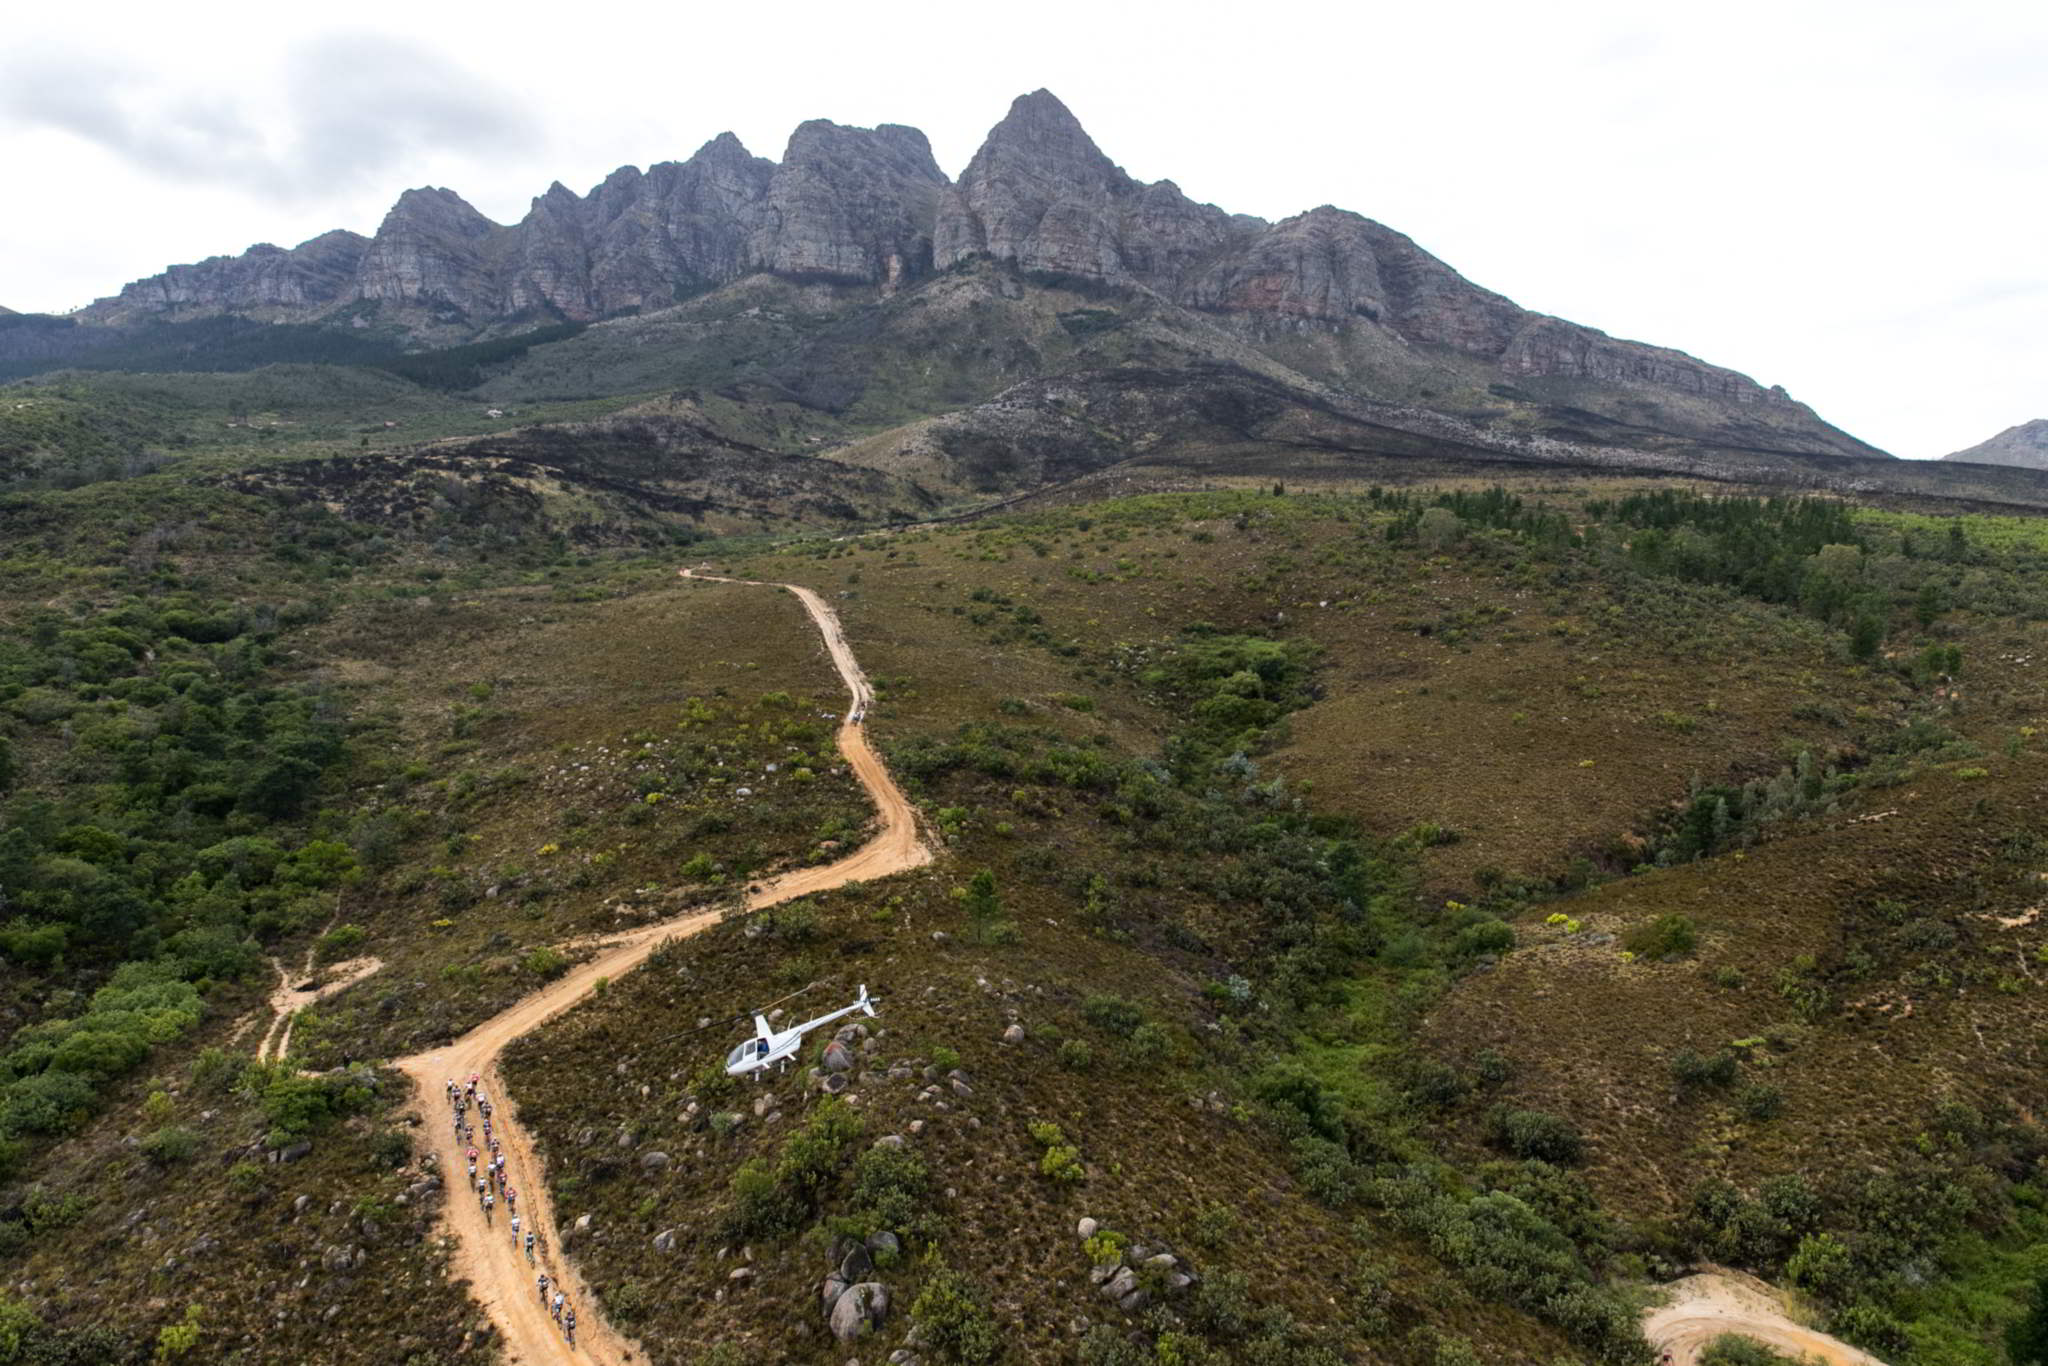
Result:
[[1668, 936], [952, 1315], [1540, 1135]]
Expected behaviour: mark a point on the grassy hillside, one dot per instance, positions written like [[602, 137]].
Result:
[[1430, 916]]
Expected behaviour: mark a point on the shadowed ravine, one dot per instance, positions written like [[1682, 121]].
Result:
[[499, 1274]]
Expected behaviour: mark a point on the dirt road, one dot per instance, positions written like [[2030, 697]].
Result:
[[499, 1273], [1703, 1307]]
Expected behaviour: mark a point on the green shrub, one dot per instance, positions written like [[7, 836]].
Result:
[[891, 1192], [1540, 1135], [1106, 1247], [1732, 1349], [2026, 1339], [1487, 938], [1075, 1055], [1668, 936], [953, 1316], [1061, 1160], [545, 963], [1113, 1014], [1759, 1101], [1694, 1072], [337, 942], [170, 1144], [771, 1200]]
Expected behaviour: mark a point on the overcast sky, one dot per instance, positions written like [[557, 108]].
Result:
[[1848, 199]]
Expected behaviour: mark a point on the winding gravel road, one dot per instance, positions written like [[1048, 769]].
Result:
[[499, 1274]]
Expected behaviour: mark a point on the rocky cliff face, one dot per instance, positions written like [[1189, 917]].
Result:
[[310, 276], [869, 207], [850, 204], [1041, 195], [2025, 445]]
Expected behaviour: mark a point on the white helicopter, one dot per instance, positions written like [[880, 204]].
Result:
[[779, 1046]]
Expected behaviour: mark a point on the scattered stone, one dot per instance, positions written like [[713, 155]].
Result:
[[885, 1244], [838, 1057], [654, 1161], [296, 1151], [740, 1275], [961, 1088], [1087, 1229], [835, 1285], [860, 1310], [1122, 1281], [889, 1141], [835, 1083], [665, 1241], [1014, 1034]]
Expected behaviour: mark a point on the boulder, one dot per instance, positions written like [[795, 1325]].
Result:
[[654, 1162], [885, 1244], [665, 1241], [860, 1310], [838, 1057], [1122, 1281], [835, 1083], [889, 1141], [856, 1263], [835, 1285], [1014, 1034], [1087, 1229]]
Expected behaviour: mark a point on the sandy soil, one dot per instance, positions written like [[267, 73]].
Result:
[[1703, 1307], [288, 1000], [500, 1276]]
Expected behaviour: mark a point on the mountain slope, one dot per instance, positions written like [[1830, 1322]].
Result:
[[1337, 298], [2026, 445]]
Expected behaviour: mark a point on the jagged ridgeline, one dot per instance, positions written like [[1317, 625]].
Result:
[[858, 257]]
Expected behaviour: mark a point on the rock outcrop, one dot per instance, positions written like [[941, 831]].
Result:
[[870, 208], [2025, 445], [1040, 195], [310, 276], [434, 248], [850, 204]]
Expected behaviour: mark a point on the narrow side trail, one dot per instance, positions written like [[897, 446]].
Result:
[[287, 1001], [1703, 1307], [501, 1277]]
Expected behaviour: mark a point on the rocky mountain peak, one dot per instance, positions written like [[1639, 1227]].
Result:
[[2026, 444], [853, 204], [1041, 195]]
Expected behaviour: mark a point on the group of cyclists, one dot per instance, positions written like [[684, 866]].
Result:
[[472, 1110]]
